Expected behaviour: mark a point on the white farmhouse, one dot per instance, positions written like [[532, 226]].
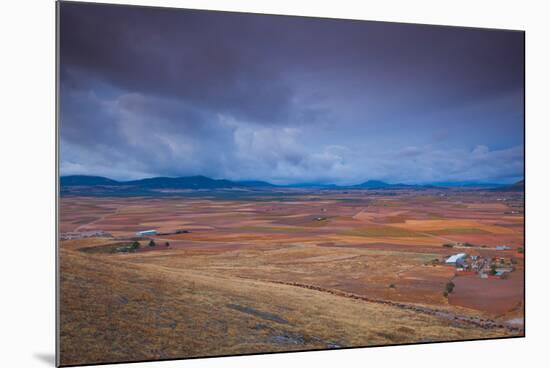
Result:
[[456, 259], [146, 233]]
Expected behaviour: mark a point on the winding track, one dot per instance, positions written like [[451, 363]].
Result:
[[469, 320]]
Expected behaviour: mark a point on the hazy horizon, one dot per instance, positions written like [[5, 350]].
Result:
[[149, 92], [456, 183]]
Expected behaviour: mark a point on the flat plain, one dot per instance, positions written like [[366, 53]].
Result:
[[240, 272]]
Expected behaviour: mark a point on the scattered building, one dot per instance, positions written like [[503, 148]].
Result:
[[485, 267], [456, 259], [503, 247], [75, 235], [146, 233], [504, 269]]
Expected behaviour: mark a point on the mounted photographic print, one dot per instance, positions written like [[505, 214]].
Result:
[[234, 183]]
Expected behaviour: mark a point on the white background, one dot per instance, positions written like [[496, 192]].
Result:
[[27, 181]]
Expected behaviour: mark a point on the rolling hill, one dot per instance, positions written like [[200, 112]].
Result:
[[86, 180], [76, 183], [516, 187], [190, 182]]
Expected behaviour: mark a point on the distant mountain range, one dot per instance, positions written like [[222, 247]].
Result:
[[377, 184], [516, 187], [189, 182], [85, 180], [203, 182]]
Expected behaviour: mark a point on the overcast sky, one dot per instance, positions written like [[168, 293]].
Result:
[[159, 92]]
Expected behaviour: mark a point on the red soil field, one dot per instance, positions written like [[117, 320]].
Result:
[[494, 295]]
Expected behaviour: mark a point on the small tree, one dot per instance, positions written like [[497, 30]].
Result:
[[167, 244], [493, 269], [134, 245], [520, 250], [392, 286], [449, 287], [152, 243]]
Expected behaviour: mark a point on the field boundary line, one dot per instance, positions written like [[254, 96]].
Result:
[[484, 323]]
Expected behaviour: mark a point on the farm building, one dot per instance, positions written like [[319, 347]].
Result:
[[504, 269], [456, 259], [146, 233], [503, 247]]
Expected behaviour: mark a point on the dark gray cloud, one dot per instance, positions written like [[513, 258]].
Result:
[[151, 91]]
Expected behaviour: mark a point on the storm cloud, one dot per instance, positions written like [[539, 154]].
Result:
[[162, 92]]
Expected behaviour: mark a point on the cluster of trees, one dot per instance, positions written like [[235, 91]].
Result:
[[153, 244], [433, 262], [449, 288], [130, 247], [126, 248]]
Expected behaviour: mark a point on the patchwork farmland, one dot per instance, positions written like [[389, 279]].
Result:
[[286, 269]]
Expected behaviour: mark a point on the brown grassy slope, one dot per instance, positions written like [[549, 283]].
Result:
[[112, 310]]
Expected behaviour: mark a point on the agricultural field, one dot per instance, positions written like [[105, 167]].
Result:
[[285, 270]]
